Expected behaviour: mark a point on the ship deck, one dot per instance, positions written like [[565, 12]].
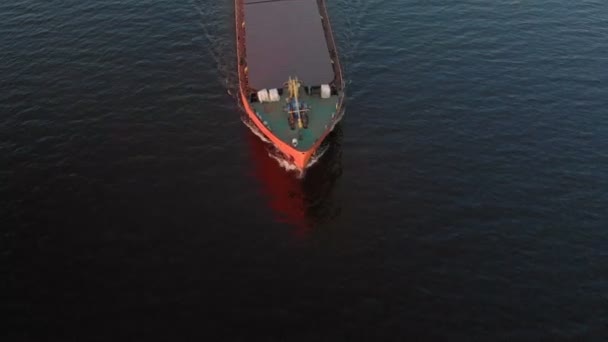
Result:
[[285, 38], [320, 116]]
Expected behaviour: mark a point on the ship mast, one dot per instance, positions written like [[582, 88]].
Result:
[[294, 89]]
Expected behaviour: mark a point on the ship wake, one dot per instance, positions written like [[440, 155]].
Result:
[[216, 25]]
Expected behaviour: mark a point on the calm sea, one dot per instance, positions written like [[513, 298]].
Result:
[[463, 197]]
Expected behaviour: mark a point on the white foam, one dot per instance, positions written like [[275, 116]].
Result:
[[254, 129], [317, 155], [283, 162]]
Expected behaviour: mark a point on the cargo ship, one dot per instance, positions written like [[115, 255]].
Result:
[[290, 79]]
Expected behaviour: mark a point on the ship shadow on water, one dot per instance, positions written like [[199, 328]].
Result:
[[302, 201]]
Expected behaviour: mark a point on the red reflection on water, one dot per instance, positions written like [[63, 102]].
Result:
[[302, 202], [284, 190]]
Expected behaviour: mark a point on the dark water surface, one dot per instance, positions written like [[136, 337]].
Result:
[[463, 197]]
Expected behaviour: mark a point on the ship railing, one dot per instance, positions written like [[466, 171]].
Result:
[[241, 46], [332, 44]]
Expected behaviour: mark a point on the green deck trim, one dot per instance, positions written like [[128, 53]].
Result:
[[319, 118]]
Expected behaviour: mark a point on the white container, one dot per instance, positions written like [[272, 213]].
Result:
[[273, 95], [325, 91], [263, 96]]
